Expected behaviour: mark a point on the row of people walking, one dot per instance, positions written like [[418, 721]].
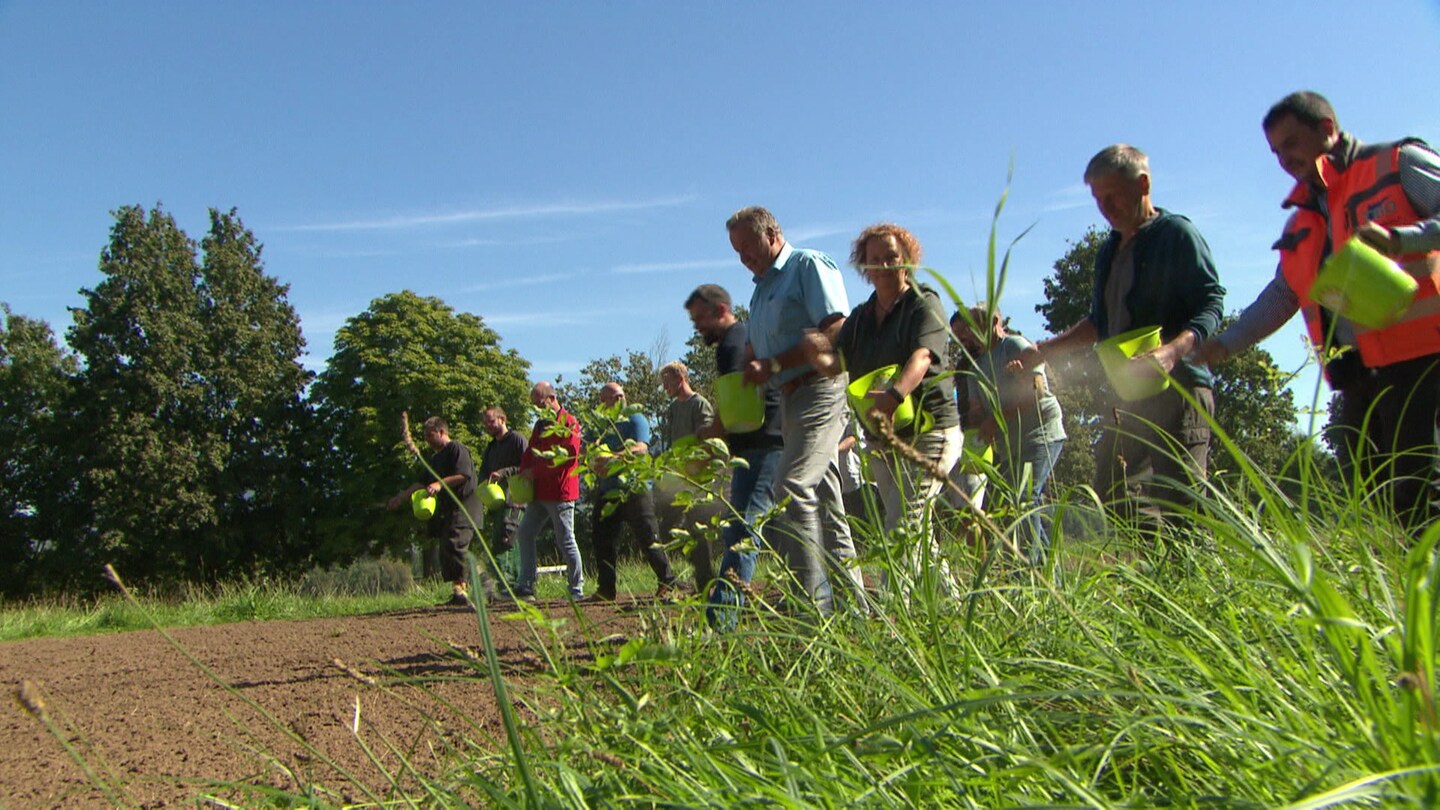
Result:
[[803, 343]]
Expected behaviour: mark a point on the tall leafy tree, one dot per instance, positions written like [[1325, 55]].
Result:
[[409, 354], [255, 402], [35, 377], [638, 372], [184, 413], [142, 446], [1254, 405]]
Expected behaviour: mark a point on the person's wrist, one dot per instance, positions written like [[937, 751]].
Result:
[[895, 395]]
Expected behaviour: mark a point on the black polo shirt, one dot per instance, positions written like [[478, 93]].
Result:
[[917, 321]]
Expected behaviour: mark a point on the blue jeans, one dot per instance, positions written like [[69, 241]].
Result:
[[750, 496], [1041, 456], [561, 516]]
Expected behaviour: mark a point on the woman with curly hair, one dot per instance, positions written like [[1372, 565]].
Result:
[[901, 324]]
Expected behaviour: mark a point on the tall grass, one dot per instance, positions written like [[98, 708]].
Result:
[[366, 586], [1256, 670]]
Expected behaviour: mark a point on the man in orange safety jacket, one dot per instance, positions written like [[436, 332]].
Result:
[[1383, 426]]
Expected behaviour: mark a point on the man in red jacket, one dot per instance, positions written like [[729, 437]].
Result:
[[552, 463]]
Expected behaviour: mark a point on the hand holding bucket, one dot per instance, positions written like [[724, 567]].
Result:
[[862, 391], [741, 405], [492, 496], [422, 504], [1116, 355], [1362, 285]]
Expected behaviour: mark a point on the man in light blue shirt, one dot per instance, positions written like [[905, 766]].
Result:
[[798, 290]]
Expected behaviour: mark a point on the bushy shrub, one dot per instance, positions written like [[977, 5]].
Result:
[[369, 576]]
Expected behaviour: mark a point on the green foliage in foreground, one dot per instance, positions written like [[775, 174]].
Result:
[[1279, 665], [1269, 654]]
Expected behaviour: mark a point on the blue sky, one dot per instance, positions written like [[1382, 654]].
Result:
[[565, 169]]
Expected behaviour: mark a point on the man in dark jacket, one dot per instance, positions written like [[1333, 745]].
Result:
[[1154, 270], [500, 460], [452, 524]]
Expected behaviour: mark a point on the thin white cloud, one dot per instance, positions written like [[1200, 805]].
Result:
[[1068, 198], [535, 240], [520, 281], [800, 236], [326, 253], [548, 369], [657, 267], [487, 214]]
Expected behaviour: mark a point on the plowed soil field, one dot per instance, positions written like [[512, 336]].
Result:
[[157, 729]]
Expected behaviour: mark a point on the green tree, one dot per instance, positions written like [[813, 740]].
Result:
[[35, 378], [638, 372], [138, 412], [186, 409], [404, 353], [255, 403], [1254, 405]]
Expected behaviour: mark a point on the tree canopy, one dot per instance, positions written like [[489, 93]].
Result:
[[405, 353], [638, 373], [187, 408], [34, 386]]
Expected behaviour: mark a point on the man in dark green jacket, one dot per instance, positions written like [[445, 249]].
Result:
[[1154, 270]]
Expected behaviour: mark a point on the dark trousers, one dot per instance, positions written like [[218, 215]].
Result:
[[501, 526], [1385, 432], [1153, 451], [638, 512], [451, 548]]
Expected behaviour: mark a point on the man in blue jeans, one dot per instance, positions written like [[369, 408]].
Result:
[[712, 312], [1015, 411]]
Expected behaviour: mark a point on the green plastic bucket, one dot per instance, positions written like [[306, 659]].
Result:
[[492, 496], [522, 489], [1363, 285], [1115, 354], [879, 380], [975, 454], [741, 405], [422, 504]]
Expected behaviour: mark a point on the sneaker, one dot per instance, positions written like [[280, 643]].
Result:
[[668, 592], [598, 597]]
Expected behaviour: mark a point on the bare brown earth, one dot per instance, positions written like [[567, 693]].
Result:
[[157, 729]]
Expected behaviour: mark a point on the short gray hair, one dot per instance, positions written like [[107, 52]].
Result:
[[754, 218], [1122, 159]]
